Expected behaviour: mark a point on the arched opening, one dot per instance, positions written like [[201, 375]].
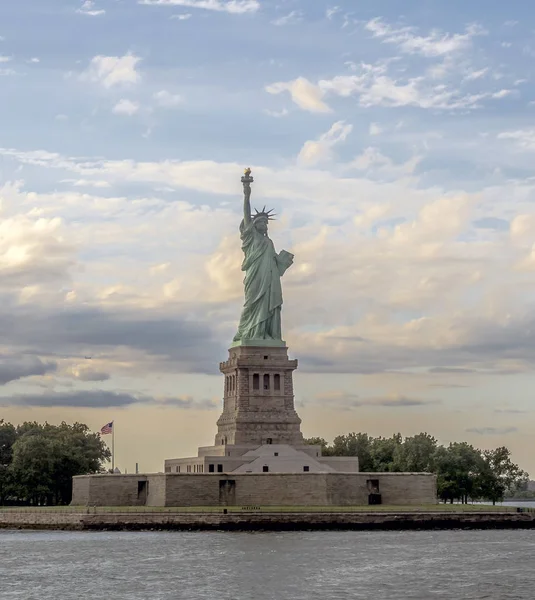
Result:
[[256, 381], [277, 382], [266, 381]]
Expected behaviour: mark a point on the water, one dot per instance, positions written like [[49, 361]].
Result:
[[263, 566]]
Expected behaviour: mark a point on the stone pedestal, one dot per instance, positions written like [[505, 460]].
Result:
[[258, 400]]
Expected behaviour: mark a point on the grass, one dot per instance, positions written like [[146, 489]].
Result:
[[463, 508]]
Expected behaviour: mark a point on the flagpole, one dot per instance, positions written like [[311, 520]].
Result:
[[113, 447]]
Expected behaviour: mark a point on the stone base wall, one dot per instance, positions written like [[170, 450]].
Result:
[[257, 489]]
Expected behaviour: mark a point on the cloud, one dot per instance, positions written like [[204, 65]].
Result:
[[451, 370], [435, 44], [295, 16], [13, 368], [374, 87], [524, 138], [306, 95], [348, 401], [88, 9], [5, 59], [75, 331], [375, 129], [89, 373], [95, 183], [230, 6], [373, 161], [99, 399], [315, 151], [126, 107], [431, 289], [330, 12], [112, 70], [181, 17], [492, 430], [277, 114], [165, 99]]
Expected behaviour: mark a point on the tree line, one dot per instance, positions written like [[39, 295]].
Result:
[[38, 461], [463, 472]]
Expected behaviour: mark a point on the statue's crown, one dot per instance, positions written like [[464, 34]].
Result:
[[269, 215]]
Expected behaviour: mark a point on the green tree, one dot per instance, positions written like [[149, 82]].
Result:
[[458, 468], [500, 475], [415, 454], [383, 451], [43, 459], [8, 435], [355, 444]]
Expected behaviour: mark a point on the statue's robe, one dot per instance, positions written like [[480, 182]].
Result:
[[261, 315]]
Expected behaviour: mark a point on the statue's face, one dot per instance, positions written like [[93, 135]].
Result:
[[261, 225]]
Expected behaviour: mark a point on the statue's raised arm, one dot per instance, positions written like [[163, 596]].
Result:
[[247, 180]]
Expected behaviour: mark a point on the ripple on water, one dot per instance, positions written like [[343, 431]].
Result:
[[263, 566]]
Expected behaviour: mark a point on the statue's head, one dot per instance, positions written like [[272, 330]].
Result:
[[261, 220]]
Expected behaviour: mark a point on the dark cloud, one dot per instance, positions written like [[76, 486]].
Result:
[[188, 402], [492, 430], [451, 370], [346, 401], [18, 367], [187, 340], [99, 399], [91, 375], [447, 385]]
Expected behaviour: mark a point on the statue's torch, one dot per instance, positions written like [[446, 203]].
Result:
[[247, 180]]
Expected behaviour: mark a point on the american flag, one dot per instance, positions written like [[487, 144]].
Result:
[[108, 428]]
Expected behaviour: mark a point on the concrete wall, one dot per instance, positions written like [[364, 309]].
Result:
[[345, 464], [156, 490], [257, 489], [109, 490], [80, 490]]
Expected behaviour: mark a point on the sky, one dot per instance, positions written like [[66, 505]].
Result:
[[395, 141]]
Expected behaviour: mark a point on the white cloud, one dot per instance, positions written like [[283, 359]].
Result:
[[295, 16], [113, 70], [181, 17], [315, 151], [371, 160], [304, 93], [374, 87], [375, 129], [126, 107], [435, 44], [502, 94], [330, 12], [229, 6], [377, 89], [167, 100], [5, 59], [277, 113], [478, 74], [87, 183], [88, 8], [525, 138], [34, 60]]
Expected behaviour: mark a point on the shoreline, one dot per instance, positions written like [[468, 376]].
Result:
[[282, 521]]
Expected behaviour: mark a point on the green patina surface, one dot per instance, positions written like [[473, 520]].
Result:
[[260, 322]]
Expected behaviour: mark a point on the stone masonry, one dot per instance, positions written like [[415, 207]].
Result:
[[258, 399]]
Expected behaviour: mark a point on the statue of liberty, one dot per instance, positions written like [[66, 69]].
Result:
[[260, 322]]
